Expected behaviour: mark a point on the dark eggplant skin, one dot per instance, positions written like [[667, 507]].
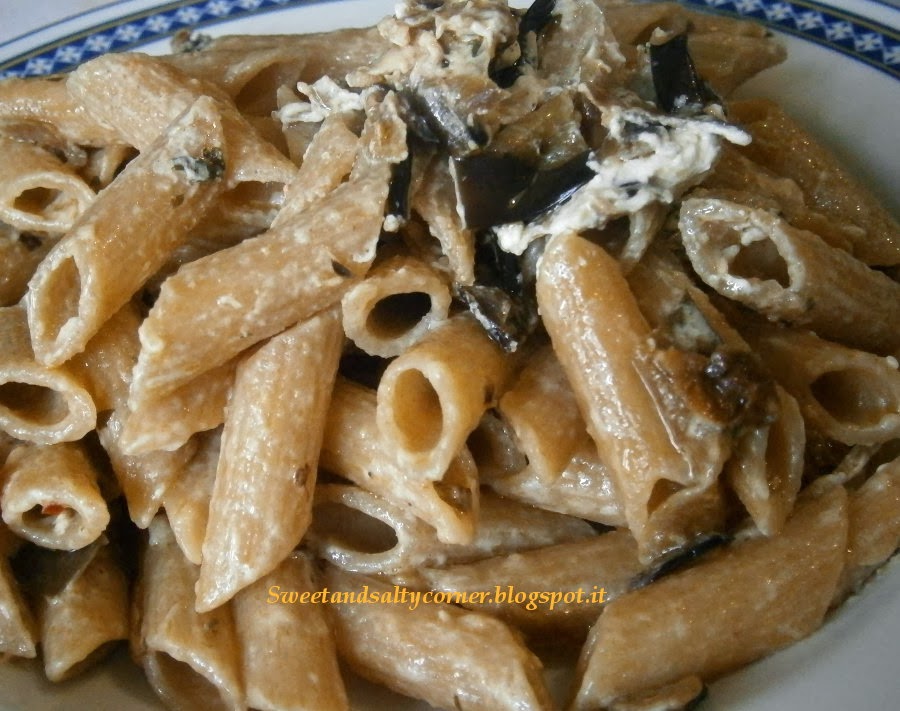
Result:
[[430, 119], [536, 18], [398, 204], [678, 558], [495, 189], [679, 89], [503, 299]]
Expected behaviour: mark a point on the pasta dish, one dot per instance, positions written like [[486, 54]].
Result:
[[429, 350]]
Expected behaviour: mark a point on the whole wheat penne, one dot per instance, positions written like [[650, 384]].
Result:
[[542, 387], [51, 496], [45, 101], [252, 68], [785, 147], [769, 605], [143, 478], [38, 192], [168, 421], [397, 303], [346, 531], [187, 495], [81, 623], [106, 362], [566, 585], [140, 96], [288, 656], [309, 261], [847, 394], [18, 630], [436, 652], [352, 449], [38, 404], [597, 332], [192, 659], [766, 467], [262, 499], [874, 532], [20, 254], [120, 242], [585, 488], [754, 257], [432, 397]]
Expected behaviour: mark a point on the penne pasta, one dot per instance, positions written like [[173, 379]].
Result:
[[262, 498], [769, 607], [186, 497], [20, 254], [118, 244], [585, 488], [18, 630], [395, 306], [541, 387], [757, 259], [562, 583], [432, 397], [352, 449], [598, 331], [766, 467], [81, 623], [44, 102], [435, 652], [51, 496], [309, 267], [363, 533], [288, 656], [785, 147], [848, 395], [38, 404], [192, 659], [38, 192]]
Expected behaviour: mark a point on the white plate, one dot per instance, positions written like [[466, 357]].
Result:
[[842, 79]]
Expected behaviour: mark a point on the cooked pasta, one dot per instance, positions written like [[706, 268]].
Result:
[[427, 350]]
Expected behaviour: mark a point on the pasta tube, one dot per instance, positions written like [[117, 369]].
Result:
[[607, 563], [432, 397], [846, 394], [756, 258], [191, 658], [352, 449], [262, 499], [728, 610], [38, 404], [597, 332], [38, 192], [310, 261], [80, 623], [436, 652], [51, 496], [397, 303], [288, 656], [120, 242], [18, 631]]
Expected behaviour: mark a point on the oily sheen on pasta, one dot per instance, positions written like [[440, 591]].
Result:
[[429, 351]]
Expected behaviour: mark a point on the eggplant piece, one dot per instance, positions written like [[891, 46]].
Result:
[[679, 89], [536, 18], [678, 558], [429, 117], [740, 389], [398, 206], [503, 299], [498, 189]]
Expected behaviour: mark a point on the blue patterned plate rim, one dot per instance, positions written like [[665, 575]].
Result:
[[863, 39]]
